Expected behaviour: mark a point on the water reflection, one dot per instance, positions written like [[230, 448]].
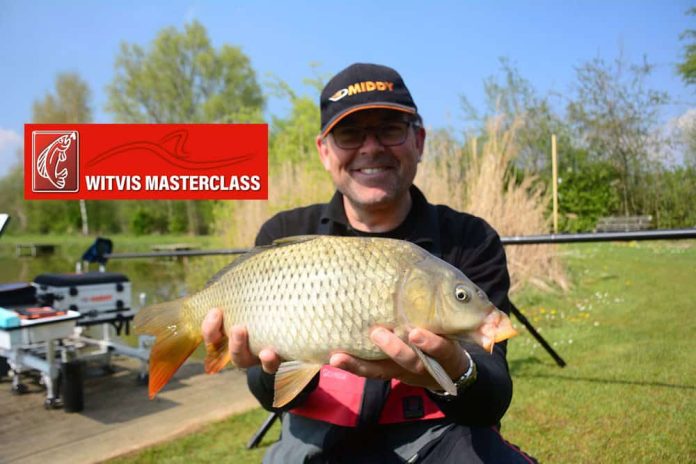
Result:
[[161, 279]]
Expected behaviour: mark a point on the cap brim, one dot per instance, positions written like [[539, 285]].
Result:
[[366, 106]]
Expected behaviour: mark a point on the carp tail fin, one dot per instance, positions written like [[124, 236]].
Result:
[[174, 343]]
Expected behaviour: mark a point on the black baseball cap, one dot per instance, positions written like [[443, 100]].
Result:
[[363, 86]]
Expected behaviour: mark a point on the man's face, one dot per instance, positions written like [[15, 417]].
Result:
[[372, 174]]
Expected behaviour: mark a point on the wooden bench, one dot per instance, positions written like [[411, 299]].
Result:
[[35, 249], [624, 223]]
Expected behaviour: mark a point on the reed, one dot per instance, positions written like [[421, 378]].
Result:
[[475, 177], [292, 185]]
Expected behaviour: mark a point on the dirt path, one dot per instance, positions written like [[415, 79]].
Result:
[[117, 416]]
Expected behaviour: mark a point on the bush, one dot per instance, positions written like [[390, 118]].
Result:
[[147, 221], [586, 194]]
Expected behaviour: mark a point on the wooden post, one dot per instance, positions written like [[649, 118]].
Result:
[[554, 167], [83, 215]]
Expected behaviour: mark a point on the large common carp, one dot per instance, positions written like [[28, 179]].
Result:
[[307, 297]]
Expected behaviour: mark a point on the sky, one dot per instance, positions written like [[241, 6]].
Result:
[[443, 49]]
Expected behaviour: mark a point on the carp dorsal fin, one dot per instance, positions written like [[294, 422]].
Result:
[[237, 261], [281, 242], [437, 371], [290, 380], [293, 240]]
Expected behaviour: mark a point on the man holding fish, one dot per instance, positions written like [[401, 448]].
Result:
[[430, 396]]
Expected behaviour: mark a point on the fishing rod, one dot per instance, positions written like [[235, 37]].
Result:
[[663, 234]]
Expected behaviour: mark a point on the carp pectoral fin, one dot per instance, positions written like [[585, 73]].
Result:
[[437, 371], [290, 380], [218, 355]]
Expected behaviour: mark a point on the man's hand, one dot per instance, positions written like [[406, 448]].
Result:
[[214, 333], [404, 364]]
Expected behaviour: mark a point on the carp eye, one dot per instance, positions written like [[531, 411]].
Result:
[[462, 294]]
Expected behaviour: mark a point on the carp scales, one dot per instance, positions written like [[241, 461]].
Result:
[[310, 296]]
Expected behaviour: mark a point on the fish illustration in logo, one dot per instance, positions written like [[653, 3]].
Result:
[[52, 157]]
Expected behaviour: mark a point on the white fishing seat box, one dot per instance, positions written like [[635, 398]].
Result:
[[92, 294]]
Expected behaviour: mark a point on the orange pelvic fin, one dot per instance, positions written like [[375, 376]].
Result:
[[291, 378], [218, 356], [174, 343]]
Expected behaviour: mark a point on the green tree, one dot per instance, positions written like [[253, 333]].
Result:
[[687, 68], [12, 197], [686, 134], [586, 192], [512, 96], [292, 137], [676, 201], [614, 115], [182, 78], [69, 104]]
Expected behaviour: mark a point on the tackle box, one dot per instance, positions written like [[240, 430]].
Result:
[[8, 318], [17, 294], [91, 293]]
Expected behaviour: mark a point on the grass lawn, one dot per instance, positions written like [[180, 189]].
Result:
[[628, 393]]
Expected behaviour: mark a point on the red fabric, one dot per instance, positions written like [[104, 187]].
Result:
[[338, 398], [393, 411]]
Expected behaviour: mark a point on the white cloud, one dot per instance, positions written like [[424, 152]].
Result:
[[191, 14], [686, 120], [10, 144], [9, 139], [674, 134]]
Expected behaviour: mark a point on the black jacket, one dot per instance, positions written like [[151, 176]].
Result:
[[463, 240]]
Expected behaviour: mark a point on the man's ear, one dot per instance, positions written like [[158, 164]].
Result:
[[420, 141], [323, 149]]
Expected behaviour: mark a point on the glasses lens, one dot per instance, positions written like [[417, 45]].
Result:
[[349, 136], [389, 134], [393, 133]]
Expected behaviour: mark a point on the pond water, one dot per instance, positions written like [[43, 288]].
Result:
[[160, 279]]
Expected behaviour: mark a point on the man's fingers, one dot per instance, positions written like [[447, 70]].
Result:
[[447, 352], [212, 326], [373, 369], [396, 349], [436, 346], [239, 348], [270, 361]]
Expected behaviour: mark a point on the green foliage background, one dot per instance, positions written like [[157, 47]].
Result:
[[611, 153]]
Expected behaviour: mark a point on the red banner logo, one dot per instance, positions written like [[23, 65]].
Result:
[[146, 161], [55, 161]]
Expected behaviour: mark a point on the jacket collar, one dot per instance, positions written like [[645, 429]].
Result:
[[418, 226]]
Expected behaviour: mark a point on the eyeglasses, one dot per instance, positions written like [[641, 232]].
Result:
[[389, 134]]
